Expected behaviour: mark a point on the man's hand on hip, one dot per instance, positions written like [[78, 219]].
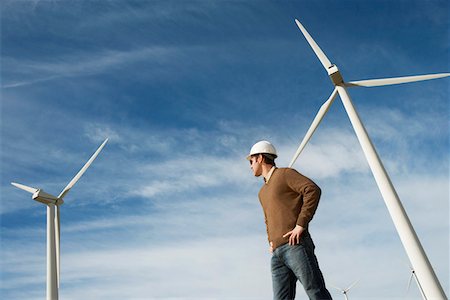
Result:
[[294, 235]]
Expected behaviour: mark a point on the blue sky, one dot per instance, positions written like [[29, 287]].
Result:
[[183, 89]]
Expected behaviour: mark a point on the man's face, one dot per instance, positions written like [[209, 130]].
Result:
[[255, 165]]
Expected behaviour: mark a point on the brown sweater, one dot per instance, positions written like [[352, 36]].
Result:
[[288, 199]]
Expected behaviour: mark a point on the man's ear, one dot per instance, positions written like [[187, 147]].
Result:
[[260, 158]]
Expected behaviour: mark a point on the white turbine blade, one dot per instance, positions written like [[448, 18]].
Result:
[[24, 187], [394, 80], [322, 57], [352, 285], [57, 243], [409, 282], [81, 172], [320, 114]]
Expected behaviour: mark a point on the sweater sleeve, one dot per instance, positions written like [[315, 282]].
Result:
[[309, 192]]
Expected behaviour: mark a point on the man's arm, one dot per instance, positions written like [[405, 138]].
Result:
[[310, 194]]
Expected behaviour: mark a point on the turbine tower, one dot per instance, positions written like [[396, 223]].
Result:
[[53, 225], [428, 280]]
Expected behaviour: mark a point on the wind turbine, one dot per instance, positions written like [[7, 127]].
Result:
[[413, 274], [345, 291], [53, 225], [432, 288]]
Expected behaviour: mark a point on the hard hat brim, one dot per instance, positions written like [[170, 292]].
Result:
[[250, 155]]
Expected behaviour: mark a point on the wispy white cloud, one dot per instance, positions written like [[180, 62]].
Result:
[[333, 153], [155, 271], [82, 64]]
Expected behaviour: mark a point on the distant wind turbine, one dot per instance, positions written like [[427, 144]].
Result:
[[432, 288], [413, 274], [345, 291], [53, 225]]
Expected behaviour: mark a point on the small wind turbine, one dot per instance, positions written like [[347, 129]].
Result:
[[413, 274], [432, 289], [345, 291], [53, 225]]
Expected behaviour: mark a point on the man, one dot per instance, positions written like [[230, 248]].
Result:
[[289, 201]]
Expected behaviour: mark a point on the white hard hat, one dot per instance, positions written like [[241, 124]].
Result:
[[262, 147]]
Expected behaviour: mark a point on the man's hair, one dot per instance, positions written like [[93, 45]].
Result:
[[267, 158]]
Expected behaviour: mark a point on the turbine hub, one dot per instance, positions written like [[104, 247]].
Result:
[[335, 75]]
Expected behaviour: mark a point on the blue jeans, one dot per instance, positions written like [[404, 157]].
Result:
[[290, 263]]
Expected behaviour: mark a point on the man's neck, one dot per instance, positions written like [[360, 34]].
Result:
[[266, 170]]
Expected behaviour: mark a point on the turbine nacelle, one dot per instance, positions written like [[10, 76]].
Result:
[[335, 75], [46, 198], [39, 195]]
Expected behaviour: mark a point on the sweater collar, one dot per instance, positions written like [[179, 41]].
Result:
[[267, 177]]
